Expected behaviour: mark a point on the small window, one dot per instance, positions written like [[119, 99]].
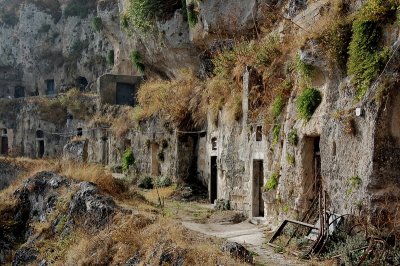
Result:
[[79, 132], [4, 131], [259, 133], [39, 134], [214, 144], [50, 87]]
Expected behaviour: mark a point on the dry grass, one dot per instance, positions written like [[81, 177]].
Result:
[[128, 235], [176, 101]]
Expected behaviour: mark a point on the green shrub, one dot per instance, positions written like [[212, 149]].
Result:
[[275, 133], [128, 159], [277, 106], [305, 71], [143, 13], [137, 61], [146, 182], [367, 57], [163, 181], [110, 57], [272, 182], [308, 102], [293, 139], [192, 15], [97, 24], [290, 159]]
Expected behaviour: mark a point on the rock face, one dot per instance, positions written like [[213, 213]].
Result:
[[56, 46], [89, 208], [76, 151], [37, 199]]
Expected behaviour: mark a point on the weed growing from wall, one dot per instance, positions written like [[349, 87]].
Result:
[[127, 159], [290, 159], [136, 60], [308, 102], [110, 57], [97, 24], [292, 137], [276, 130], [272, 182], [367, 57]]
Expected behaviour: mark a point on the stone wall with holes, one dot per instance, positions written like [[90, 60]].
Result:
[[25, 130]]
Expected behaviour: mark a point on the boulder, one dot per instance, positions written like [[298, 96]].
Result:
[[237, 251], [90, 208], [76, 151]]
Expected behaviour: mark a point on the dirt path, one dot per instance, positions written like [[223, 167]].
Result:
[[250, 235]]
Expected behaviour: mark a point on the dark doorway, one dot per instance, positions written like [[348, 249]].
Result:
[[125, 94], [214, 179], [155, 165], [312, 169], [259, 133], [79, 132], [19, 92], [41, 148], [81, 83], [50, 87], [4, 145], [258, 183]]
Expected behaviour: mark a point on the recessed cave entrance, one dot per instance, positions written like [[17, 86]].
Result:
[[79, 132], [81, 83], [125, 94], [4, 145], [19, 92], [155, 164], [258, 184], [312, 181], [214, 179]]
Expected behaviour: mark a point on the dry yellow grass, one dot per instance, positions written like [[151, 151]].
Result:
[[176, 101]]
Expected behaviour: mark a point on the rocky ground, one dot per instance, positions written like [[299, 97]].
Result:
[[51, 219]]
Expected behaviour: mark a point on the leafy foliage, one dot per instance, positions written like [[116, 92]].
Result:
[[142, 14], [276, 130], [308, 102], [272, 182], [137, 61], [97, 24], [192, 15], [290, 159], [277, 106], [292, 137], [366, 55], [127, 159], [110, 57]]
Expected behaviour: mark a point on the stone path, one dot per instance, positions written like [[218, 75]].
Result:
[[250, 235]]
